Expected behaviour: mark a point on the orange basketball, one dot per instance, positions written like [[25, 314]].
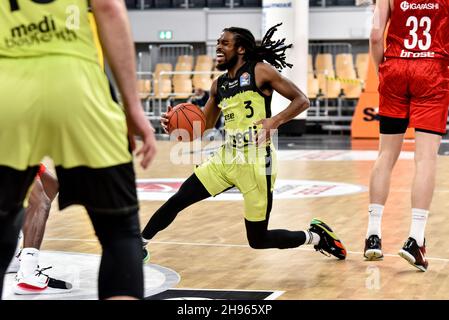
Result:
[[186, 121]]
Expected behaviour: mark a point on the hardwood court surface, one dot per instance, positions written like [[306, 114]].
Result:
[[207, 244]]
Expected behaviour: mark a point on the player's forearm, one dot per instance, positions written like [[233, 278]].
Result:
[[377, 49], [211, 116], [116, 39], [377, 36], [296, 107]]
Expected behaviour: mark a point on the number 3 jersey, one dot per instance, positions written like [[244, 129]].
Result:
[[419, 29], [243, 104], [32, 28]]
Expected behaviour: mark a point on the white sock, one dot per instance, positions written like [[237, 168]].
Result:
[[29, 260], [375, 212], [419, 220], [312, 238]]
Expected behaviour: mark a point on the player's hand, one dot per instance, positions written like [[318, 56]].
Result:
[[269, 127], [164, 119], [140, 126]]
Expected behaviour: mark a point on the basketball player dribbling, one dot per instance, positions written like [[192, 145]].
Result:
[[414, 92], [244, 94]]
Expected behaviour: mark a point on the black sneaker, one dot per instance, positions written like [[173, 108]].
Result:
[[373, 248], [329, 242], [414, 254]]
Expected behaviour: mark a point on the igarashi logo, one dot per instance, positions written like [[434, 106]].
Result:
[[419, 6], [42, 31]]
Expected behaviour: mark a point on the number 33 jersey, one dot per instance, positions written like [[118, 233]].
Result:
[[32, 28], [419, 29]]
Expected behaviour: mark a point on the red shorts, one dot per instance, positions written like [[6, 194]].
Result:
[[417, 90]]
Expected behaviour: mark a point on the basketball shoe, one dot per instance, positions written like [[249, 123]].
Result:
[[145, 251], [414, 254], [373, 248], [329, 241], [39, 283]]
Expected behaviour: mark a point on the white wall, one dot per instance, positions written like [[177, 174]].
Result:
[[202, 25], [205, 25], [187, 26], [344, 23], [217, 20]]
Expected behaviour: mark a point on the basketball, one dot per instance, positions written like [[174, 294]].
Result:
[[186, 121]]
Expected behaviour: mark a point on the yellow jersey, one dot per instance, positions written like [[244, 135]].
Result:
[[32, 28]]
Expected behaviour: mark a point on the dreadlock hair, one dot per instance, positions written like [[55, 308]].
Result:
[[269, 50]]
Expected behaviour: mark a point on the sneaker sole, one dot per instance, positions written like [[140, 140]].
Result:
[[373, 255], [318, 223], [410, 259], [21, 291]]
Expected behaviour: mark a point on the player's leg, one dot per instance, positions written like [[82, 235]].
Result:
[[43, 192], [119, 235], [428, 115], [257, 189], [14, 187], [426, 152], [42, 195], [394, 108], [36, 215], [30, 279], [207, 181], [110, 197], [190, 192], [390, 143]]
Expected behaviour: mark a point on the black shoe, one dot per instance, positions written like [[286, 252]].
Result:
[[373, 248], [329, 242], [415, 254]]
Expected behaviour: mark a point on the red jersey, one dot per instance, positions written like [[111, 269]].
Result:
[[419, 29]]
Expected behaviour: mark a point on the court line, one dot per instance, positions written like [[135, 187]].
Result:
[[410, 190], [225, 245]]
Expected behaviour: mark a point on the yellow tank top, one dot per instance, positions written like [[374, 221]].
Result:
[[33, 28], [93, 27]]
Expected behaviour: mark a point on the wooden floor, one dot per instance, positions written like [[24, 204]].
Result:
[[207, 245]]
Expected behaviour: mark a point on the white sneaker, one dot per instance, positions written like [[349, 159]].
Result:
[[39, 283]]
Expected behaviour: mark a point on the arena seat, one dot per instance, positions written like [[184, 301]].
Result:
[[361, 62], [182, 88]]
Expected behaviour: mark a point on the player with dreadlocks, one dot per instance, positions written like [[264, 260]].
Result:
[[244, 94]]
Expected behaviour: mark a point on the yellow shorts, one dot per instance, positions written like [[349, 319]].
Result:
[[61, 107], [254, 176]]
